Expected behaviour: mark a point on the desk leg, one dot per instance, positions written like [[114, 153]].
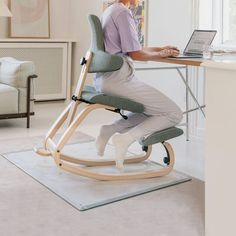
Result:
[[187, 105], [189, 92]]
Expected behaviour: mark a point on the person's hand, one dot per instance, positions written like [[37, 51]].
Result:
[[169, 53], [170, 47]]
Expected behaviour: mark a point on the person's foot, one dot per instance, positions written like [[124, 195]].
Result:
[[121, 143], [106, 132]]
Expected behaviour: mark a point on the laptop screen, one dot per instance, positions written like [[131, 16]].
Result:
[[199, 40]]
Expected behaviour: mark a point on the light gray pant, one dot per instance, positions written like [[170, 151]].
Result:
[[160, 111]]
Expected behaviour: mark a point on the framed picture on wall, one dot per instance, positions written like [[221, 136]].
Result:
[[31, 19], [140, 13], [107, 3]]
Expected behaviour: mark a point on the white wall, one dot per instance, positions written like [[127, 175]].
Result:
[[60, 18], [79, 29], [4, 25], [170, 22]]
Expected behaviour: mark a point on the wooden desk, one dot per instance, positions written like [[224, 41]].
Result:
[[220, 147], [220, 142]]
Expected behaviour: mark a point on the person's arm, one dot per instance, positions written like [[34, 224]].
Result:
[[130, 44], [152, 55], [152, 49], [158, 49]]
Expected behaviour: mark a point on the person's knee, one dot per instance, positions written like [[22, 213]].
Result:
[[176, 116], [179, 117]]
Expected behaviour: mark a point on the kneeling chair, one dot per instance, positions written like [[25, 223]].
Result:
[[98, 61]]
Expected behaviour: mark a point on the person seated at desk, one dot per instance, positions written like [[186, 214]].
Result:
[[121, 38]]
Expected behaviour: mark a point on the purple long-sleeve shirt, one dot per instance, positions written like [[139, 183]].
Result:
[[120, 32]]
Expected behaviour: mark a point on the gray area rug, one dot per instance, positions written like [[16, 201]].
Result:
[[28, 143], [84, 193]]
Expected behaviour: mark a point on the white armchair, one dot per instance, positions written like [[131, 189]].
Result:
[[16, 88]]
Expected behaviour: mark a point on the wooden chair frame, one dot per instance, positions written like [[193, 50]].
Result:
[[70, 164]]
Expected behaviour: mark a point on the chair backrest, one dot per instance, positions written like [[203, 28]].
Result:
[[101, 61]]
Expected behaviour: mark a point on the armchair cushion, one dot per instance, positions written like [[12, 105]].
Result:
[[14, 72], [9, 94]]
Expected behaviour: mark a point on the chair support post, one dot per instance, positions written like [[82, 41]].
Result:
[[80, 86]]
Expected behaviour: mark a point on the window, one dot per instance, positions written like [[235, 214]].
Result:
[[229, 21], [219, 15]]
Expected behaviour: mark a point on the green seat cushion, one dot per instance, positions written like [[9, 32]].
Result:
[[161, 136], [90, 95]]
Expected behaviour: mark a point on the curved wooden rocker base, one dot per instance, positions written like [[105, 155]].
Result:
[[42, 152], [119, 176], [95, 162], [102, 162], [70, 164]]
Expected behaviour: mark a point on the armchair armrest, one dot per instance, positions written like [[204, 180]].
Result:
[[29, 80], [29, 86]]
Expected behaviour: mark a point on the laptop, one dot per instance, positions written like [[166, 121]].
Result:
[[199, 40]]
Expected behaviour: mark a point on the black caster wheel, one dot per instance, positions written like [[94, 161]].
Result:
[[166, 160], [145, 148]]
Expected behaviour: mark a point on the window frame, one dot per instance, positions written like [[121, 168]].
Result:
[[211, 16], [218, 22]]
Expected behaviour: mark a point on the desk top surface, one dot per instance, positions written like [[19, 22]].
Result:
[[183, 61], [216, 60]]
